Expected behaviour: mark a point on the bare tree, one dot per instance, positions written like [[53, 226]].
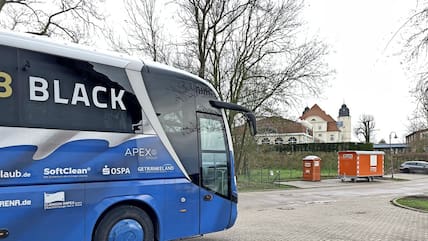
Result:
[[416, 47], [206, 20], [366, 127], [67, 19], [419, 119], [144, 30], [2, 3], [249, 51]]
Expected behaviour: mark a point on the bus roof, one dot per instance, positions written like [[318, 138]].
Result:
[[68, 49]]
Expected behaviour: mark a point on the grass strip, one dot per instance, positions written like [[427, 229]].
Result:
[[417, 202]]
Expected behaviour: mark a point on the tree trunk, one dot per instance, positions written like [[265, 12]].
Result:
[[2, 3]]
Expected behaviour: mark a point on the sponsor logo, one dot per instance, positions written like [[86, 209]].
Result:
[[107, 171], [156, 169], [65, 172], [147, 153], [41, 91], [14, 174], [5, 85], [14, 203], [57, 200]]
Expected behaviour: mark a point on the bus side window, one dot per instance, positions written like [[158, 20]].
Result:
[[64, 93], [143, 126]]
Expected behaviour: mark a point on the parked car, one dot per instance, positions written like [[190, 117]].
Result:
[[414, 167]]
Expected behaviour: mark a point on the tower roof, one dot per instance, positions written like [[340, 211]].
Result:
[[305, 110], [343, 111]]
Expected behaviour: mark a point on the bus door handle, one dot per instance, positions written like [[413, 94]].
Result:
[[208, 197]]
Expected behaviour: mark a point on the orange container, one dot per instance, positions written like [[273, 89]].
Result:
[[311, 168], [360, 164]]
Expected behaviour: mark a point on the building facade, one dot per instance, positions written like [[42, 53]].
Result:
[[277, 130], [313, 126], [418, 141], [325, 128]]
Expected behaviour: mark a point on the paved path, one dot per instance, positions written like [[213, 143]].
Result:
[[343, 211]]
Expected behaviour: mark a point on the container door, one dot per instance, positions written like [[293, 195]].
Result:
[[215, 174]]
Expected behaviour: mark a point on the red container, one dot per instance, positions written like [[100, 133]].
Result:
[[360, 164], [311, 168]]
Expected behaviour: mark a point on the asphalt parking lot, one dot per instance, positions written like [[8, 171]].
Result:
[[330, 210]]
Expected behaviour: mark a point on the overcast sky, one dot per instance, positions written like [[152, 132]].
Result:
[[370, 76]]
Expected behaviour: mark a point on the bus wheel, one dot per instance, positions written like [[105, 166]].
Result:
[[125, 223]]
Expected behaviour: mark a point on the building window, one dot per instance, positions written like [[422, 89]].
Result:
[[292, 140], [279, 141], [331, 137], [320, 135], [265, 140]]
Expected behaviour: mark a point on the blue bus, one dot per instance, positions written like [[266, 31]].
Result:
[[97, 146]]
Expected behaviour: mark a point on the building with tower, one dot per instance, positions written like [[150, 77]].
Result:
[[325, 129], [315, 125]]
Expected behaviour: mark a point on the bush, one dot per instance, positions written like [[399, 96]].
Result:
[[287, 162]]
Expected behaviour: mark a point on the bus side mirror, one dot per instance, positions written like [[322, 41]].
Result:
[[251, 119]]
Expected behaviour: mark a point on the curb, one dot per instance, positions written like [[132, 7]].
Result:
[[395, 203]]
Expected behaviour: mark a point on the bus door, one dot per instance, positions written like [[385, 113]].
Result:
[[215, 201]]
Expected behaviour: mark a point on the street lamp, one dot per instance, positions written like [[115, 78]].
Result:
[[390, 152]]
